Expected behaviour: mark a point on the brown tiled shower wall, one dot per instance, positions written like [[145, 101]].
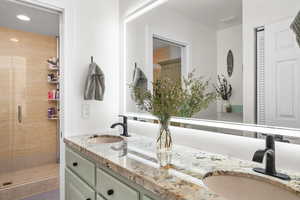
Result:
[[23, 81]]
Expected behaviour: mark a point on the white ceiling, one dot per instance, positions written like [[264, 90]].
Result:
[[210, 13], [42, 21]]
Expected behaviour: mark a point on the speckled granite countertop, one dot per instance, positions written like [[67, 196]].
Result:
[[184, 180]]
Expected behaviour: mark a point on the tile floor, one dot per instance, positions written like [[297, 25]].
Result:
[[30, 182], [29, 175], [52, 195]]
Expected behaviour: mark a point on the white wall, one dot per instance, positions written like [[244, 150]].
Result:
[[175, 52], [95, 34], [257, 13], [232, 39], [164, 22]]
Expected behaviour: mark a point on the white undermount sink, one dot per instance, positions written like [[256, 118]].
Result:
[[246, 188], [104, 139]]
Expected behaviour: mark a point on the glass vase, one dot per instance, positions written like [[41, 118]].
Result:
[[164, 145], [227, 106]]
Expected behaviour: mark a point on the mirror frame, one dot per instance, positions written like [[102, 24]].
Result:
[[144, 8]]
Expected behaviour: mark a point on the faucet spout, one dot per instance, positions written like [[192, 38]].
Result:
[[117, 124], [259, 156], [124, 126]]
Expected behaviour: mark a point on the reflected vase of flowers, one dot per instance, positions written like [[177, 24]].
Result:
[[224, 91]]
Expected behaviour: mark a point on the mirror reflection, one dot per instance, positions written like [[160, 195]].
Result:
[[249, 55], [167, 60]]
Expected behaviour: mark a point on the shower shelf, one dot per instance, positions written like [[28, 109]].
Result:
[[53, 100], [53, 68], [53, 82], [56, 118]]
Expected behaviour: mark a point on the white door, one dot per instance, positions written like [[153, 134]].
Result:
[[282, 76]]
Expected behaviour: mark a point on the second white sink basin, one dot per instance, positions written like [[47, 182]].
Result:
[[245, 188]]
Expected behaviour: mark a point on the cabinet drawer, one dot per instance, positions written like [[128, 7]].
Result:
[[76, 189], [113, 189], [81, 166]]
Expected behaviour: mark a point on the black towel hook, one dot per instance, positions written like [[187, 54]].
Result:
[[92, 59]]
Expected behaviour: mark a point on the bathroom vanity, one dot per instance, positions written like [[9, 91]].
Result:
[[90, 176], [127, 170]]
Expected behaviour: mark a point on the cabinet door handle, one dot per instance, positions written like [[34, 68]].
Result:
[[110, 192], [75, 164], [19, 113]]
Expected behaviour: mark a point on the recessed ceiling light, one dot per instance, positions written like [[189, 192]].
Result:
[[14, 39], [23, 17]]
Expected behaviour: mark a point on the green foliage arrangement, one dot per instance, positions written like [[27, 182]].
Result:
[[171, 98]]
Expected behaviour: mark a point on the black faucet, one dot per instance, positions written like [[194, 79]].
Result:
[[124, 125], [270, 159]]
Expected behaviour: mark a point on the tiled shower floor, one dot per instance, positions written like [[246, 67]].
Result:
[[29, 182], [52, 195], [29, 175]]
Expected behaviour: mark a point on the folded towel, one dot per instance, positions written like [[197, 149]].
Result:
[[295, 26], [95, 83]]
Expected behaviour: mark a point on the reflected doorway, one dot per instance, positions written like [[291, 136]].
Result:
[[168, 60]]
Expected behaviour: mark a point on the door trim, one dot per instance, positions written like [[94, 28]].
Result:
[[65, 26]]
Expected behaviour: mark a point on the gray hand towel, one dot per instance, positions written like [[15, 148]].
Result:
[[95, 83], [295, 26], [139, 79]]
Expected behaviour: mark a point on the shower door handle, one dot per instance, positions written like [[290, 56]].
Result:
[[19, 113]]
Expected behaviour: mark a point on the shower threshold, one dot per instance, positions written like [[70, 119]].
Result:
[[24, 183]]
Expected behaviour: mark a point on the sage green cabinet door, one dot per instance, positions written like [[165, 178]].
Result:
[[113, 189], [81, 166], [146, 198], [99, 197], [76, 189]]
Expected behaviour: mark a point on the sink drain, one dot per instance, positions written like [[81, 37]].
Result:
[[7, 183]]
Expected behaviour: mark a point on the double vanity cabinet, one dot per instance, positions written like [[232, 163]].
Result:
[[85, 180]]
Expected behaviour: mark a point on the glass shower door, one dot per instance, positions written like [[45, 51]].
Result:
[[7, 121]]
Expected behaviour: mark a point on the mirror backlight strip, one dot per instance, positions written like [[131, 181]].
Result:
[[226, 125]]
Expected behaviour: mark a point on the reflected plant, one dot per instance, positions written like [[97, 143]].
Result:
[[163, 103], [223, 88], [196, 96], [171, 98]]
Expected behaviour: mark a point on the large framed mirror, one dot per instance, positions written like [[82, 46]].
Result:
[[246, 50]]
